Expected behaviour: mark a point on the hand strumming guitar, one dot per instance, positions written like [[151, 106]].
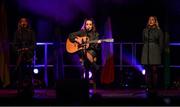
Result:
[[78, 40], [81, 40]]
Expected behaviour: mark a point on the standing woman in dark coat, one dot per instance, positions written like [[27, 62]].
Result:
[[24, 44], [151, 52]]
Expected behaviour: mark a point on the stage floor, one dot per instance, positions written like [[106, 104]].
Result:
[[102, 97]]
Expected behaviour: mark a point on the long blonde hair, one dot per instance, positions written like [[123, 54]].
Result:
[[156, 22]]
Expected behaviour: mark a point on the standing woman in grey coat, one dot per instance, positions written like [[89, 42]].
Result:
[[151, 52]]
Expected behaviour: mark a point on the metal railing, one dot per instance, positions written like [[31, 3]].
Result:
[[133, 47]]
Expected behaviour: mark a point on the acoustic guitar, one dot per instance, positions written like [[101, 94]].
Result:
[[73, 47]]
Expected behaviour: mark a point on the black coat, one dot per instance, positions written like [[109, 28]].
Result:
[[25, 38], [153, 48]]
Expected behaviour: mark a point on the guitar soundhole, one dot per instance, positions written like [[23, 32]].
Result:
[[85, 39]]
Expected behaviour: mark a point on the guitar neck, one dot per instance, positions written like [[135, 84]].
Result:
[[93, 41], [102, 40]]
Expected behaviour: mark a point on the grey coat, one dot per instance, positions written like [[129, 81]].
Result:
[[155, 44]]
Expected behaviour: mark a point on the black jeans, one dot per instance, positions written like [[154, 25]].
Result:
[[152, 77], [24, 76]]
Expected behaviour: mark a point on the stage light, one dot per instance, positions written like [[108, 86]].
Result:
[[90, 74], [126, 85], [36, 71], [167, 100], [143, 71]]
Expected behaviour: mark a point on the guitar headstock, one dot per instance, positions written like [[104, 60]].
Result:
[[108, 40]]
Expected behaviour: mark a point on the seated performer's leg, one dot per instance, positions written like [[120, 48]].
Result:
[[87, 68], [85, 62], [89, 64], [94, 68]]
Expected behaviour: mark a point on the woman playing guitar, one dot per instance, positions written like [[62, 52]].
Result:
[[86, 51]]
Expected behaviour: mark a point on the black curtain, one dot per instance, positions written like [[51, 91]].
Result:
[[4, 46]]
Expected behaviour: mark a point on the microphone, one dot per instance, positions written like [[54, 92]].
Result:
[[88, 29], [23, 25]]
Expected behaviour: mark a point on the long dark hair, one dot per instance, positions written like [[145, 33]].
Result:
[[19, 23], [93, 24]]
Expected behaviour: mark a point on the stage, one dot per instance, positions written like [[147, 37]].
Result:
[[119, 60], [126, 97]]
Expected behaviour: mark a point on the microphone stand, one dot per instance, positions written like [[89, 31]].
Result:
[[149, 74], [84, 58], [148, 49]]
